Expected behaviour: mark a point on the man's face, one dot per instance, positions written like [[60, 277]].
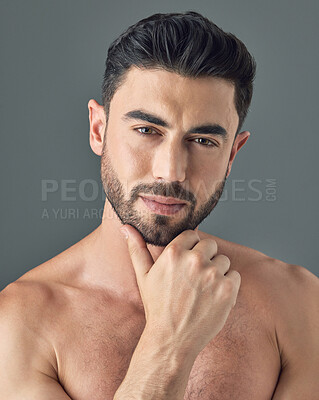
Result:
[[169, 136]]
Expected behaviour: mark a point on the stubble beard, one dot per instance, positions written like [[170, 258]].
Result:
[[157, 230]]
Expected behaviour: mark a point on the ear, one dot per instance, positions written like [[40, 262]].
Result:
[[97, 126], [240, 140]]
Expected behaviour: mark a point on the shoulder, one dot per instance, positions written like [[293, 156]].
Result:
[[23, 308], [266, 271], [286, 294], [297, 331], [297, 317], [26, 345], [291, 292], [28, 361], [37, 296]]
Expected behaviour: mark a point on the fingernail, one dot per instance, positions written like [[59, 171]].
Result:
[[124, 232]]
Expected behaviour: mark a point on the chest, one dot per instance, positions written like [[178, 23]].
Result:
[[240, 362]]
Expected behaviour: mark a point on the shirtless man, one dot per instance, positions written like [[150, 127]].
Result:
[[171, 312]]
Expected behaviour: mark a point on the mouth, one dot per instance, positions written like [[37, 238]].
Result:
[[163, 205]]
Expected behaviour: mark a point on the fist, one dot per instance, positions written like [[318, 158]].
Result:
[[188, 292]]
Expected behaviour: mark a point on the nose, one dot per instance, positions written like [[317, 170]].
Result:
[[170, 162]]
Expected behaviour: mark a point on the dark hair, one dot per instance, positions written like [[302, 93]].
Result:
[[185, 43]]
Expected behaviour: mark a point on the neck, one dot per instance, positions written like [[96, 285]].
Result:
[[108, 263]]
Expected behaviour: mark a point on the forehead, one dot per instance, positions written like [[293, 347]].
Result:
[[182, 101]]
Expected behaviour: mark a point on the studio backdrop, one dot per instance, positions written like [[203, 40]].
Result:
[[52, 62]]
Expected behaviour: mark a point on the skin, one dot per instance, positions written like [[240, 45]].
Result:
[[88, 310]]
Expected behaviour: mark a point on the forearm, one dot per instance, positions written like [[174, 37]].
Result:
[[159, 370]]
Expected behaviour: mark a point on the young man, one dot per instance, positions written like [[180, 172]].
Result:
[[170, 312]]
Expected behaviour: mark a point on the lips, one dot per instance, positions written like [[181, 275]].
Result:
[[161, 208], [164, 200]]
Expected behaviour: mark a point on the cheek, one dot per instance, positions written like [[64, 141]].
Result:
[[137, 160], [131, 163], [206, 175]]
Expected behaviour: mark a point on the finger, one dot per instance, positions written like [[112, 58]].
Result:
[[235, 277], [186, 240], [221, 263], [206, 246], [142, 259]]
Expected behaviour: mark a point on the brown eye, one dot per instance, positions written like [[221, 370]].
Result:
[[145, 130], [205, 142]]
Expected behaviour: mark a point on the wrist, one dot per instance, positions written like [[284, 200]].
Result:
[[159, 369], [161, 344]]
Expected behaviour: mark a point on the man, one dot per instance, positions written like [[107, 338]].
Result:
[[169, 312]]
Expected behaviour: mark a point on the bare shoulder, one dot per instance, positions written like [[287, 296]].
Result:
[[290, 291], [24, 307], [268, 272], [297, 318], [32, 300], [288, 296], [27, 357], [294, 300]]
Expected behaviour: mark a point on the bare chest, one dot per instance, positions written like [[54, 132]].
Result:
[[240, 362]]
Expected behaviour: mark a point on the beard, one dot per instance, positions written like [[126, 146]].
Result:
[[156, 229]]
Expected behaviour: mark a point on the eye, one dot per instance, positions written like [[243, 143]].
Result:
[[147, 130], [206, 142]]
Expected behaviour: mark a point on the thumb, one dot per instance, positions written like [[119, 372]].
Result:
[[142, 259]]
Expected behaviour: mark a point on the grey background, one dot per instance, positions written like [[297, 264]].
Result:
[[52, 62]]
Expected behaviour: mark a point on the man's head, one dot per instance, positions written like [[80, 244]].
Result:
[[168, 127], [188, 44]]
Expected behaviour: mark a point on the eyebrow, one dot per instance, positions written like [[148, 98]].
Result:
[[205, 129]]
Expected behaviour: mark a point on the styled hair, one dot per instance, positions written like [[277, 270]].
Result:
[[185, 43]]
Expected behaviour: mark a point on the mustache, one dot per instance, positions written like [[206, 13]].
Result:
[[160, 189]]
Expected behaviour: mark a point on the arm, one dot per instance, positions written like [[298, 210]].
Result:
[[24, 371], [187, 293], [159, 369], [298, 336]]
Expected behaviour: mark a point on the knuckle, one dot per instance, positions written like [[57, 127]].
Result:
[[212, 241], [214, 273], [236, 274], [235, 277], [222, 259], [197, 258], [172, 250]]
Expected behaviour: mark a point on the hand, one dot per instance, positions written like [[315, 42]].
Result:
[[188, 292]]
